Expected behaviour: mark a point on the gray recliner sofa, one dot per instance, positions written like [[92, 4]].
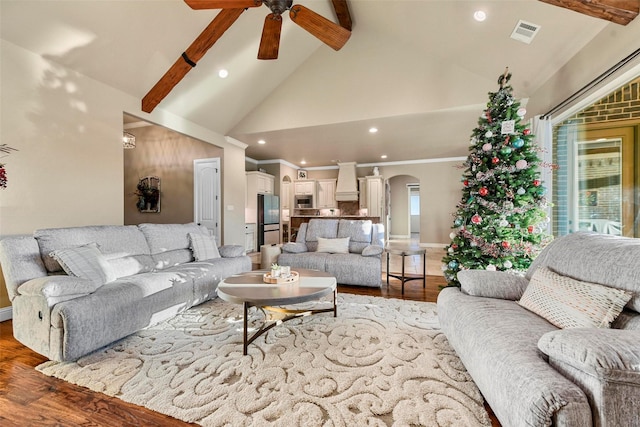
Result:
[[361, 265], [531, 372], [153, 277]]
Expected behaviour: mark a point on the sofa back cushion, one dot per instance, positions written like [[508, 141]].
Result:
[[169, 243], [358, 231], [124, 247], [598, 258], [325, 228]]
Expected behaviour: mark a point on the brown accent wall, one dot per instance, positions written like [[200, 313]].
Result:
[[168, 155]]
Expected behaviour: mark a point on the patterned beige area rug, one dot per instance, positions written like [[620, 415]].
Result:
[[381, 362]]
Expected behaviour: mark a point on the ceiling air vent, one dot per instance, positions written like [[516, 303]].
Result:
[[525, 31]]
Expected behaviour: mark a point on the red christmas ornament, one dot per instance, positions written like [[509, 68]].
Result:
[[454, 246], [526, 131], [505, 244], [476, 219], [465, 182], [530, 229], [506, 140], [536, 182], [495, 160], [483, 191]]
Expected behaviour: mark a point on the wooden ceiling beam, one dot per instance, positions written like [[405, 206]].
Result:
[[619, 11]]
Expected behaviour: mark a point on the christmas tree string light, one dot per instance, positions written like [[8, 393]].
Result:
[[500, 220]]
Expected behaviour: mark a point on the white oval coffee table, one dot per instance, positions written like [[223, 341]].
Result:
[[250, 290]]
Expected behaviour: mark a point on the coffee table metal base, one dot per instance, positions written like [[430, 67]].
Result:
[[275, 316]]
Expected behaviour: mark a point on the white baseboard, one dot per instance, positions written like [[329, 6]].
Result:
[[6, 313], [433, 245]]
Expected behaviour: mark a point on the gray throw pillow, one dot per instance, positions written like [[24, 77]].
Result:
[[85, 261], [203, 246]]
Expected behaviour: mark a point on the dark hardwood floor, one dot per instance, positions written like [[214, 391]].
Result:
[[28, 398]]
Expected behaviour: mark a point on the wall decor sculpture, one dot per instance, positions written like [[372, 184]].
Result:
[[148, 192]]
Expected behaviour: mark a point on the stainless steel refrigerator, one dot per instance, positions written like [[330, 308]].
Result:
[[268, 220]]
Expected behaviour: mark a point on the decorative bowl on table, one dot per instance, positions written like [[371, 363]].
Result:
[[293, 276]]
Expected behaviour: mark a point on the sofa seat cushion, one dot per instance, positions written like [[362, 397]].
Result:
[[206, 275], [497, 340], [355, 269], [307, 260], [116, 310]]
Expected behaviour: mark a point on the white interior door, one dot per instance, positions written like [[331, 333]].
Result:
[[206, 188]]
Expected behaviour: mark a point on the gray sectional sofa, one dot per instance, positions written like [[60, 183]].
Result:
[[533, 373], [356, 263], [145, 274]]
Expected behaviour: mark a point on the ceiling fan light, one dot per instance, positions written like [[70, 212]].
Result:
[[128, 140]]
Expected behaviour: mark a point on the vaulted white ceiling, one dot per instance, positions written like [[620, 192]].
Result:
[[418, 70]]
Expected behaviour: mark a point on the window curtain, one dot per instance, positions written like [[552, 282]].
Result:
[[542, 129]]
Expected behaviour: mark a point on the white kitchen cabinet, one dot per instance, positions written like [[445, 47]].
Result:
[[375, 196], [285, 195], [304, 188], [326, 194], [362, 191], [260, 182]]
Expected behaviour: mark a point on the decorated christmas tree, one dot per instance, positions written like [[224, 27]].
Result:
[[501, 220]]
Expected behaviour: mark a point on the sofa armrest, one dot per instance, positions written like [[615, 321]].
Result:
[[492, 284], [231, 251], [372, 250], [604, 353], [57, 286], [294, 248]]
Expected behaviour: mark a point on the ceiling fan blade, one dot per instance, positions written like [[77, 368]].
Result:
[[342, 11], [270, 40], [188, 60], [329, 33], [222, 4]]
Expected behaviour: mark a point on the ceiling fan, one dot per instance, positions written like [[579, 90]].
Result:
[[331, 34]]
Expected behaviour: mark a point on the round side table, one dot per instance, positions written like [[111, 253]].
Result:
[[405, 251]]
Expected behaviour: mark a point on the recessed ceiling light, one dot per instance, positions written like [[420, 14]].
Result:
[[479, 15], [373, 130], [384, 156], [303, 162], [223, 73], [262, 142]]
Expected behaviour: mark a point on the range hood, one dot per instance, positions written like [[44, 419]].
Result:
[[347, 187]]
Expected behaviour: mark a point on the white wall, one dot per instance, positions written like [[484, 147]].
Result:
[[440, 191], [69, 167]]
